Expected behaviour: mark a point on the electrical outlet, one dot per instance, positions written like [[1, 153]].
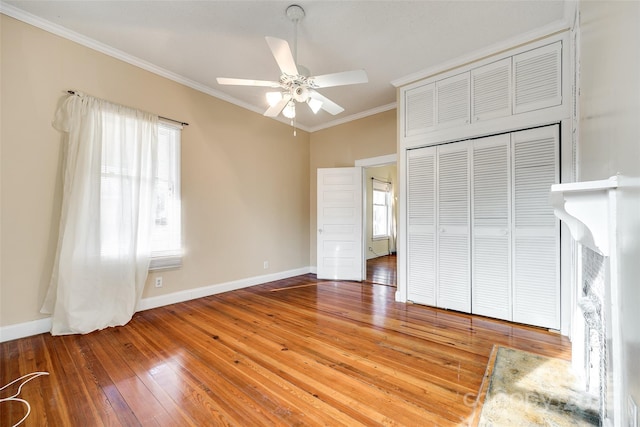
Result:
[[266, 265], [632, 413], [159, 282]]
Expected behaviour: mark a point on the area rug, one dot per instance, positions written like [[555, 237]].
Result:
[[526, 389]]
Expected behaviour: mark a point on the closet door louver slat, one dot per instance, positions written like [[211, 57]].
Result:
[[421, 223], [537, 78], [454, 287], [491, 90], [536, 289], [491, 224], [536, 292], [419, 109]]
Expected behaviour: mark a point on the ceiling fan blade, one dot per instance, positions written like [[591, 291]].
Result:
[[246, 82], [327, 105], [277, 108], [282, 54], [339, 79]]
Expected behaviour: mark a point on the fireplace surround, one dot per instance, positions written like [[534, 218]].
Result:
[[589, 211]]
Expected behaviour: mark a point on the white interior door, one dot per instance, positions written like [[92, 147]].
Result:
[[339, 217]]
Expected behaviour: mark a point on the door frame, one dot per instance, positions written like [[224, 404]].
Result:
[[371, 162]]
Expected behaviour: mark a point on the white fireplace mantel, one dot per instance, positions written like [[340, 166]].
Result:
[[588, 209]]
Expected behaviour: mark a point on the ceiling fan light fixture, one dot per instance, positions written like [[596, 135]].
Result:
[[289, 110], [273, 98], [315, 105], [301, 94]]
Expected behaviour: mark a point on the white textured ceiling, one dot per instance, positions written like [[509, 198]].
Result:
[[202, 40]]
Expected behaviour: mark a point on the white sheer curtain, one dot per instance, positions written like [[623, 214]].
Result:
[[102, 258]]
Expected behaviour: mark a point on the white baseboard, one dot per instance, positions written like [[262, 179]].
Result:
[[25, 329], [205, 291], [35, 327]]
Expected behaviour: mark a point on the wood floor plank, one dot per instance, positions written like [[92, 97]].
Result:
[[238, 362], [373, 358], [123, 384], [11, 410], [173, 374], [297, 351], [218, 368], [56, 411], [141, 360], [31, 391], [298, 357]]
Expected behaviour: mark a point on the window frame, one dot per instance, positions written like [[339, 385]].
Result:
[[383, 187], [168, 258]]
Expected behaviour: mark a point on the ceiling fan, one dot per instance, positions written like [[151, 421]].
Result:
[[296, 84]]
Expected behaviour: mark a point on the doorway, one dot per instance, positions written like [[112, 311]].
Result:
[[382, 270], [333, 255], [380, 219]]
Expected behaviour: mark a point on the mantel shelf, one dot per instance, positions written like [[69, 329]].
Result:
[[587, 208]]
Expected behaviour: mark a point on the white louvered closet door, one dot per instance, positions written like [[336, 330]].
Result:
[[453, 259], [537, 78], [491, 90], [421, 223], [491, 226], [453, 100], [420, 109], [536, 288]]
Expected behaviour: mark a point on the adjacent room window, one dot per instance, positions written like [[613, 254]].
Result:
[[166, 239], [381, 209]]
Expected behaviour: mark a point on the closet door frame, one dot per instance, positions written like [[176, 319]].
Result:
[[502, 232]]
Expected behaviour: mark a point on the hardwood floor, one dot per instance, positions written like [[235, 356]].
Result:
[[292, 352], [382, 270]]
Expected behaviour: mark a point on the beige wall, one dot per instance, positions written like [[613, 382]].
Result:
[[341, 146], [245, 178], [609, 143]]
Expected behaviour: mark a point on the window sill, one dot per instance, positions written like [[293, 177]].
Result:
[[165, 262], [380, 238]]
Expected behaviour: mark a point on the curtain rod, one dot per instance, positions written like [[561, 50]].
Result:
[[73, 92], [379, 180]]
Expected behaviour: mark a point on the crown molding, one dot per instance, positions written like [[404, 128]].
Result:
[[59, 30], [528, 37], [353, 117]]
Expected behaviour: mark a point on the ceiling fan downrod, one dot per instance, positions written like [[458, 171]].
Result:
[[295, 13]]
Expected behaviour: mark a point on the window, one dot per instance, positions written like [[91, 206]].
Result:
[[381, 209], [166, 237], [167, 233]]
